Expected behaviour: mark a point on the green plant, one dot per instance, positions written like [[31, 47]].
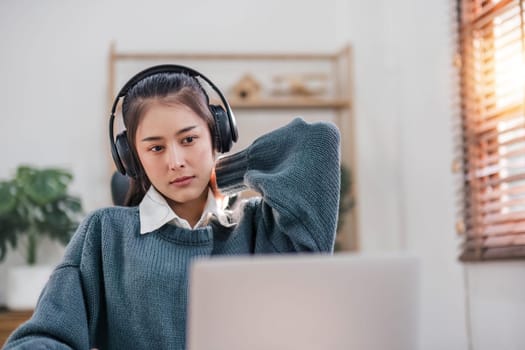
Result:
[[346, 200], [35, 203]]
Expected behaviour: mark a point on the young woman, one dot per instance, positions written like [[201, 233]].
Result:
[[123, 281]]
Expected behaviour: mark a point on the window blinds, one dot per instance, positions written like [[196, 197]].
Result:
[[491, 43]]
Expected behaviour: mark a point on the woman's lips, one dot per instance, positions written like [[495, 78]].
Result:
[[182, 181]]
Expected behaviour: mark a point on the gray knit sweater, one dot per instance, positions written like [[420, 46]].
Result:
[[117, 289]]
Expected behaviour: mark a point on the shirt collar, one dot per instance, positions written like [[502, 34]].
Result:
[[154, 212]]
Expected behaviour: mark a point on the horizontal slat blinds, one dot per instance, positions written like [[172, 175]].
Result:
[[492, 218]]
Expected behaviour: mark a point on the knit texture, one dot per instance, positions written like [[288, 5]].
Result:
[[117, 289]]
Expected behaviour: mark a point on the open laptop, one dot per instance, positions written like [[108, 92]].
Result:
[[304, 302]]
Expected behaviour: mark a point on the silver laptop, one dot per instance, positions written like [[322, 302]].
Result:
[[304, 302]]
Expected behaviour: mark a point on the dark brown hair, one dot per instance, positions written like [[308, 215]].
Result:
[[164, 88]]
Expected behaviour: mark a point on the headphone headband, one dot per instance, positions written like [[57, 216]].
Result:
[[168, 68], [226, 127]]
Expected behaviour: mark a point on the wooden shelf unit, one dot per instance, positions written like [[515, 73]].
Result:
[[341, 74]]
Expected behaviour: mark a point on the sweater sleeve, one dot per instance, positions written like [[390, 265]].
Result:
[[60, 319], [296, 170]]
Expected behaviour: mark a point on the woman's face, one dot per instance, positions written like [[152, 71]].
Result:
[[174, 147]]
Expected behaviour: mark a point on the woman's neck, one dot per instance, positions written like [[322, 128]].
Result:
[[190, 211]]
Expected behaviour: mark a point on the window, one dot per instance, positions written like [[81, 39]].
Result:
[[491, 42]]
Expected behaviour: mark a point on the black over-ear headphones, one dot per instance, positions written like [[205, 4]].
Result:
[[225, 126]]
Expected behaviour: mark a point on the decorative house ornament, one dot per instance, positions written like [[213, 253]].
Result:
[[247, 88]]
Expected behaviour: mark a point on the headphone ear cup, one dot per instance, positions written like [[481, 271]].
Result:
[[126, 158], [223, 131], [116, 158]]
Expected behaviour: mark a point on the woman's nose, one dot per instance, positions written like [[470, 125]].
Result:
[[176, 158]]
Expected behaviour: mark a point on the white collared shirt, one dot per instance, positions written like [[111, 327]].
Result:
[[154, 212]]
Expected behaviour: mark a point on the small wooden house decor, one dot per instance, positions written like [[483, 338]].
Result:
[[247, 88]]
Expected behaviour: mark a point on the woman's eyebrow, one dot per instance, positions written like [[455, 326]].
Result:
[[186, 129], [181, 131], [152, 138]]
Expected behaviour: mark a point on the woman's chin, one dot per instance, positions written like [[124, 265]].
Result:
[[187, 196]]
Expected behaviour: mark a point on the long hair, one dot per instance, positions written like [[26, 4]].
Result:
[[168, 89]]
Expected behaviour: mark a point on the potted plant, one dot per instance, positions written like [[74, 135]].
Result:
[[34, 204], [346, 200]]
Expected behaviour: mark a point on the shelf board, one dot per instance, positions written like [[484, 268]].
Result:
[[223, 56], [278, 103]]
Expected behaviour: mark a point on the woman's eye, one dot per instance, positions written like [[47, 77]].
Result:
[[189, 139], [156, 148]]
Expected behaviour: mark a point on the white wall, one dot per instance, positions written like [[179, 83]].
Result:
[[404, 122], [496, 305], [53, 98]]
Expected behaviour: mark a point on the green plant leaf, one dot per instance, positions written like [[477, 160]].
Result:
[[3, 249], [72, 204], [44, 186], [7, 196], [346, 202], [10, 228]]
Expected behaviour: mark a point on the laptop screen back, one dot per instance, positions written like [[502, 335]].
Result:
[[304, 302]]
